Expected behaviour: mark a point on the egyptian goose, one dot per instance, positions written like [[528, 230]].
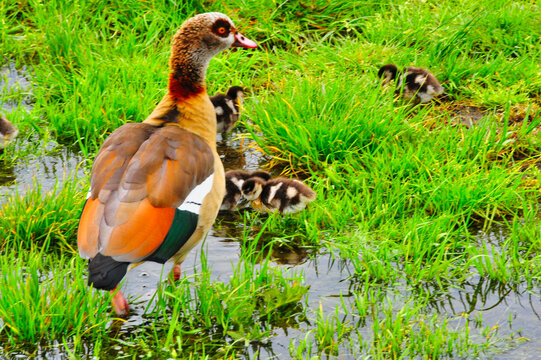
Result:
[[227, 107], [156, 186], [233, 184], [419, 84], [280, 194], [8, 132]]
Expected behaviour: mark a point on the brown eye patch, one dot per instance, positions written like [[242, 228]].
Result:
[[221, 27]]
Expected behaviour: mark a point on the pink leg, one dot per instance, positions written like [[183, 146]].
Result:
[[176, 272], [120, 304]]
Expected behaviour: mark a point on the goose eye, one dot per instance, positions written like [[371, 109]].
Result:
[[221, 27]]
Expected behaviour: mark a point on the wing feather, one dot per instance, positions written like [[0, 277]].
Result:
[[115, 155], [88, 231]]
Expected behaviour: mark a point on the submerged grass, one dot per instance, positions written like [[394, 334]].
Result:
[[228, 316], [401, 190]]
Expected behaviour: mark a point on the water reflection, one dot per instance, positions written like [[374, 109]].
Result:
[[511, 309], [14, 81], [39, 160], [288, 255], [36, 159], [237, 152]]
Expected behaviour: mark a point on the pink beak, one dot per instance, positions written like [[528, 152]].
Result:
[[242, 41]]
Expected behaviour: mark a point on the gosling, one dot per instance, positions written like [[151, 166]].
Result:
[[8, 132], [234, 179], [280, 194], [419, 84], [227, 108]]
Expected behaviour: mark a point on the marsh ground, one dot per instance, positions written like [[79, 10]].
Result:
[[424, 240]]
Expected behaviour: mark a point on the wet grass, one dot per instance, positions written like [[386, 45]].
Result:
[[47, 220], [37, 306], [402, 191]]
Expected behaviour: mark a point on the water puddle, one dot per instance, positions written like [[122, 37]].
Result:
[[45, 162], [15, 89], [237, 153], [30, 160]]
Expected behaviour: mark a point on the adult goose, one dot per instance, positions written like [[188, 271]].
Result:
[[414, 83], [156, 186], [8, 132]]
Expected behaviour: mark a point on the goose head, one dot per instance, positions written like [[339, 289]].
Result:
[[388, 72], [195, 43], [236, 93]]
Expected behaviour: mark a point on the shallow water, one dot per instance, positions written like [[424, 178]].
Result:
[[41, 161], [50, 164], [330, 279], [236, 152], [331, 283], [13, 80]]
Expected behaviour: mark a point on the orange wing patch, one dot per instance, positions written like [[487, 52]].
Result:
[[87, 234], [141, 234]]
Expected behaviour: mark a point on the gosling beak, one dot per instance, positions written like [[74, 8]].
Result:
[[242, 41]]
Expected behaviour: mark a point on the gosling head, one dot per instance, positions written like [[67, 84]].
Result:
[[251, 188]]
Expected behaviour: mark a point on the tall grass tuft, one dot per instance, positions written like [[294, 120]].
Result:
[[44, 220], [45, 297]]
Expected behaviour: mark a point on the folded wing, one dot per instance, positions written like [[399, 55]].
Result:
[[140, 176]]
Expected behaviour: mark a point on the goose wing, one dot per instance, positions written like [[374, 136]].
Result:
[[141, 175]]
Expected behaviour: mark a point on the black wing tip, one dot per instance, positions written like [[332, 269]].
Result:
[[106, 273]]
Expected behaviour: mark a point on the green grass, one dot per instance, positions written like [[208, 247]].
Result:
[[44, 297], [46, 220], [402, 191]]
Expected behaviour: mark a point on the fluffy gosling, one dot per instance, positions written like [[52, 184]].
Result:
[[419, 84], [234, 179], [8, 132], [227, 107], [280, 194]]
